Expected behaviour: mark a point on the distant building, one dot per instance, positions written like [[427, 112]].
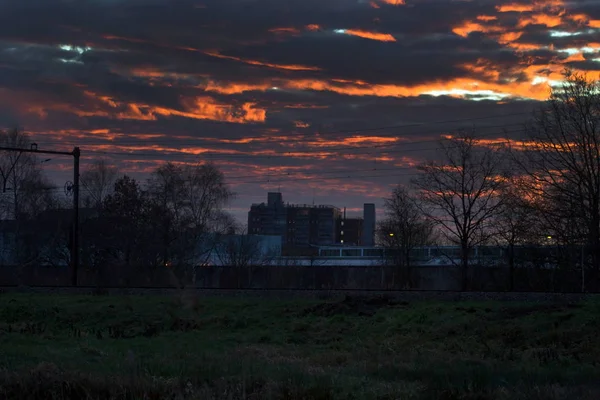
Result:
[[298, 225], [311, 225], [350, 231], [270, 218], [368, 237]]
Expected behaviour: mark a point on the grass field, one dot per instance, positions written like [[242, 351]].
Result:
[[101, 347]]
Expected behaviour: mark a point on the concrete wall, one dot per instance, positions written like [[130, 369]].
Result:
[[305, 277]]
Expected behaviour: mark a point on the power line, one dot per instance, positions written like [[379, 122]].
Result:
[[286, 153], [232, 179], [304, 136], [287, 175], [330, 177], [346, 176], [362, 169]]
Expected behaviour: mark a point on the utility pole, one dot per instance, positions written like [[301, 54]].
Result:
[[76, 153], [582, 268], [75, 244]]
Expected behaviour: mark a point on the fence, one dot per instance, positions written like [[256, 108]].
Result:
[[312, 277]]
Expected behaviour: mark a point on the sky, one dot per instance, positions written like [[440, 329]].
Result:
[[328, 101]]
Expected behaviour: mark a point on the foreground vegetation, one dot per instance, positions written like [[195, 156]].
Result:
[[101, 347]]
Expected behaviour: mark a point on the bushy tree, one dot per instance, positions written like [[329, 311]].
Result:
[[125, 222], [171, 222], [194, 197]]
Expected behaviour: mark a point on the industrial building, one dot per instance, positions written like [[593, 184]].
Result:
[[268, 218], [303, 226], [349, 231]]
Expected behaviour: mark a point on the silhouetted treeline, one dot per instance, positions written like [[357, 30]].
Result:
[[539, 191]]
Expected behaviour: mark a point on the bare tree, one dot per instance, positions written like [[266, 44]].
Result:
[[17, 170], [517, 222], [461, 193], [563, 161], [405, 227], [97, 182], [25, 194], [243, 250], [206, 193]]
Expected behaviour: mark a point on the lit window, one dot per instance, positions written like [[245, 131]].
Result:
[[342, 232]]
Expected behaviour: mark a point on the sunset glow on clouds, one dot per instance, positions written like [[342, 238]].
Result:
[[340, 92]]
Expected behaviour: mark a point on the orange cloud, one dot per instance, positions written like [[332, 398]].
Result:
[[305, 106], [313, 27], [235, 88], [487, 18], [374, 5], [469, 26], [291, 67], [515, 7], [405, 161], [519, 89], [550, 21], [584, 20], [204, 108], [383, 37], [548, 13], [285, 30], [270, 137], [395, 2], [580, 18], [350, 141], [575, 57], [508, 38], [301, 124], [487, 70], [207, 108]]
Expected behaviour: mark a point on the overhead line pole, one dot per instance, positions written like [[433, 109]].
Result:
[[76, 153], [75, 244]]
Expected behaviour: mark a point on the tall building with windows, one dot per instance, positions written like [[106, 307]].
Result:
[[268, 218], [311, 225], [349, 231], [298, 225]]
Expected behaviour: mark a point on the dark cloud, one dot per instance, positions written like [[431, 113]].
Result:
[[250, 85]]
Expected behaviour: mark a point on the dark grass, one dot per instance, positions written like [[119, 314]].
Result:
[[108, 347]]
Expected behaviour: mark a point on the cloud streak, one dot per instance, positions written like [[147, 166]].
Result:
[[293, 89]]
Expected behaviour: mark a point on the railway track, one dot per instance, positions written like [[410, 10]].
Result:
[[308, 293]]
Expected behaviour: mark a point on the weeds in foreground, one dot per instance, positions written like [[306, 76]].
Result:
[[196, 348], [47, 382]]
